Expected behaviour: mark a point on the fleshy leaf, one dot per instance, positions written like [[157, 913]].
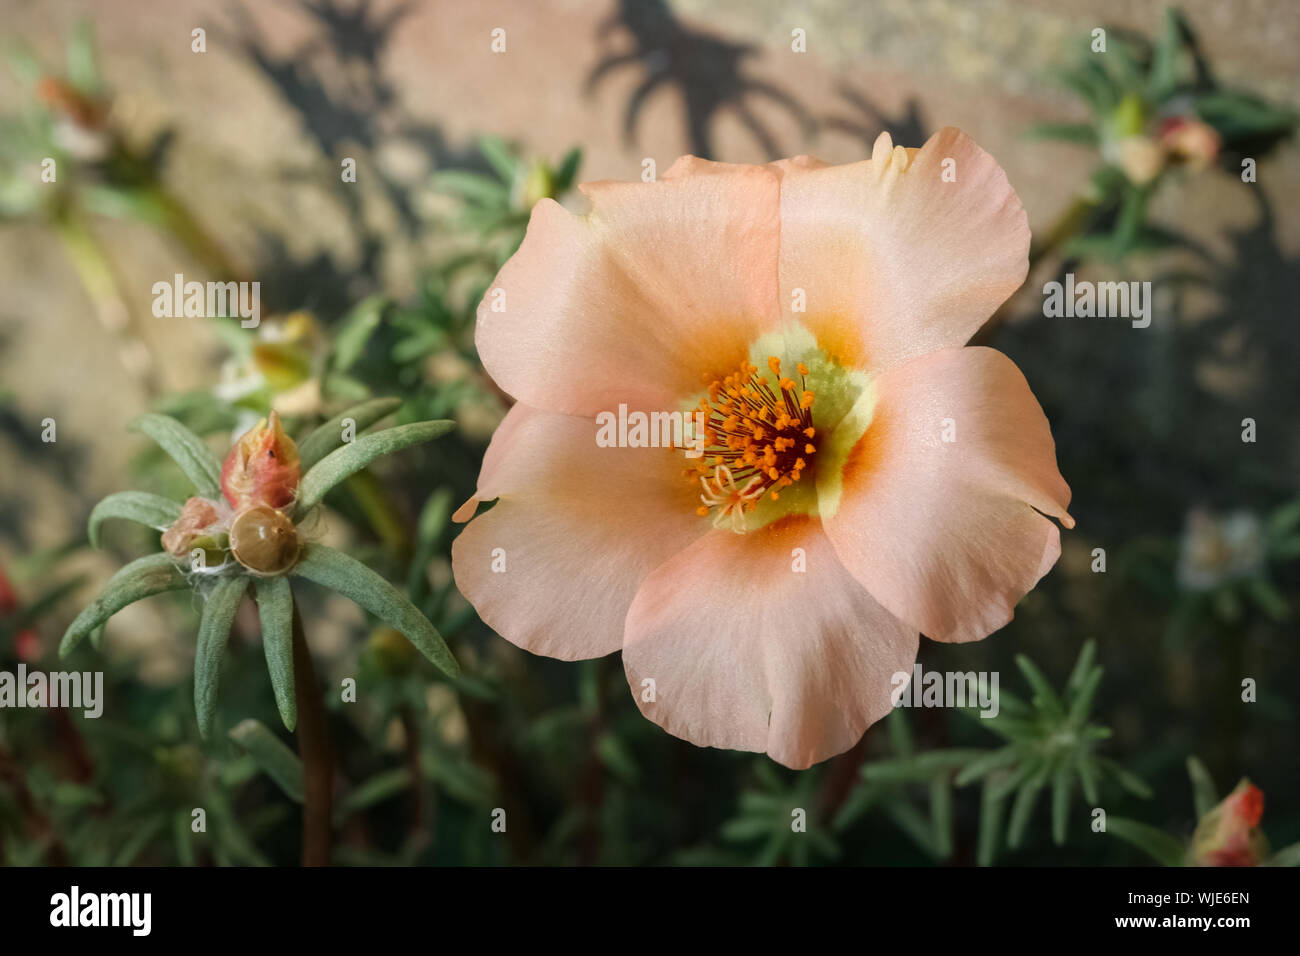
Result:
[[214, 629], [329, 436], [271, 755], [141, 578], [1204, 794], [152, 510], [275, 608], [187, 448], [349, 577], [355, 455], [1157, 844]]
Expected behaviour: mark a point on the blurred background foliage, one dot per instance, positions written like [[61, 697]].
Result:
[[1121, 674]]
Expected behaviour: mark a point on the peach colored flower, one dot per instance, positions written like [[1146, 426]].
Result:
[[884, 479]]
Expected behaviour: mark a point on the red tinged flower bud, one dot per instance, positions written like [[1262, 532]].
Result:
[[263, 468], [1191, 141], [1229, 834], [197, 515]]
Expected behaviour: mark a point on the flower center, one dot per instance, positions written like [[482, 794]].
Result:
[[758, 439]]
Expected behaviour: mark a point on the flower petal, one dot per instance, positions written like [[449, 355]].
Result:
[[660, 285], [895, 261], [747, 653], [945, 533], [554, 565]]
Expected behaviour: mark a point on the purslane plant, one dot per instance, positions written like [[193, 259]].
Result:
[[242, 530]]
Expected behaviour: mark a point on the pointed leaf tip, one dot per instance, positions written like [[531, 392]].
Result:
[[186, 449], [355, 455], [346, 575], [275, 609], [214, 630], [140, 579]]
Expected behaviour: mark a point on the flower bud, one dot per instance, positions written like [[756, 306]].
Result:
[[1141, 158], [1190, 141], [263, 467], [197, 516], [1229, 834]]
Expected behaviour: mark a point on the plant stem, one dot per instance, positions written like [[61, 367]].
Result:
[[314, 748]]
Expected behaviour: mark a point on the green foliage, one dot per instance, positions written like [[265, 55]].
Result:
[[142, 578], [355, 455], [912, 788], [153, 510], [275, 610], [349, 577], [781, 817], [329, 436], [186, 449], [214, 630], [1050, 745], [272, 756]]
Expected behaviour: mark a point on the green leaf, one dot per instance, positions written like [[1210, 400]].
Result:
[[1082, 666], [1204, 794], [500, 156], [900, 733], [1084, 134], [1268, 598], [329, 436], [183, 838], [474, 187], [1287, 856], [83, 61], [275, 609], [214, 630], [140, 579], [986, 763], [349, 577], [271, 755], [1087, 776], [152, 510], [1023, 808], [141, 835], [1061, 784], [1129, 781], [1164, 60], [382, 786], [187, 448], [355, 455], [919, 768], [1044, 696], [1082, 703], [941, 815], [1157, 844], [990, 823], [913, 823], [355, 330], [568, 170]]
